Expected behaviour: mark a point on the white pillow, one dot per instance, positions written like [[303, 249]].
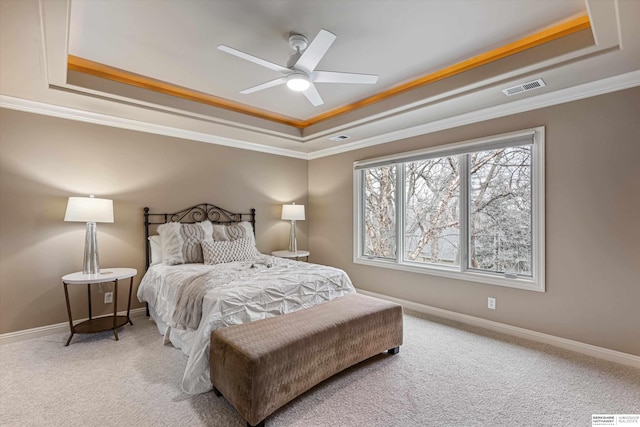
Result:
[[155, 242], [218, 252], [171, 243]]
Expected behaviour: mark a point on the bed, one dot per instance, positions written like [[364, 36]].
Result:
[[204, 272]]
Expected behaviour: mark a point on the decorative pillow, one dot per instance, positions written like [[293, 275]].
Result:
[[233, 231], [193, 235], [218, 252], [155, 242], [181, 243]]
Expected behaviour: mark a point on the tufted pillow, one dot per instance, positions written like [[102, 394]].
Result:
[[218, 252], [181, 243]]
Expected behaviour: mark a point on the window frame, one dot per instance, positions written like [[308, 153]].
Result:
[[534, 283]]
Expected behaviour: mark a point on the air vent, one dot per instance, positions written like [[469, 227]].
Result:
[[524, 87], [339, 138]]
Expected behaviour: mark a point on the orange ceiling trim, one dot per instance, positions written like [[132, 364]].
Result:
[[97, 69], [545, 36], [110, 73]]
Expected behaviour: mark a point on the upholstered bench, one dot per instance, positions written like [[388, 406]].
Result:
[[260, 366]]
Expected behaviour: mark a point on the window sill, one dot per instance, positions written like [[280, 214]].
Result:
[[524, 283]]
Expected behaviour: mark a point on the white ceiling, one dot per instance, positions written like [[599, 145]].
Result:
[[399, 40]]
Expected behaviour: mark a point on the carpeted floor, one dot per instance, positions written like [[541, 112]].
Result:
[[446, 374]]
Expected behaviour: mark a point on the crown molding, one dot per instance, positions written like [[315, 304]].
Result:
[[575, 93], [37, 107], [586, 90]]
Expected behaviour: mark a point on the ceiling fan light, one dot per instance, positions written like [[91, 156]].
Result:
[[298, 82]]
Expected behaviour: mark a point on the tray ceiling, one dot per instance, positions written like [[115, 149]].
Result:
[[157, 62]]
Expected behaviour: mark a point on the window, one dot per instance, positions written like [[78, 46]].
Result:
[[380, 212], [431, 214], [472, 210]]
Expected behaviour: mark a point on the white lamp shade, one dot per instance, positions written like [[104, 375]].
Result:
[[293, 212], [89, 209]]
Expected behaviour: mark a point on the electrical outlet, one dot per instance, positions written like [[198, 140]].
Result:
[[491, 303], [108, 297]]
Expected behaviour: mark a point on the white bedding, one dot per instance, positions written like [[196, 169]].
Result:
[[237, 292]]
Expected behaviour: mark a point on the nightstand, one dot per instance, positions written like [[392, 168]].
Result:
[[102, 323], [288, 254]]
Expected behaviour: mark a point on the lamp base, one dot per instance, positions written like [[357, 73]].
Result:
[[293, 244], [91, 262]]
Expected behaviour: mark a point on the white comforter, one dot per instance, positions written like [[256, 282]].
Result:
[[237, 292]]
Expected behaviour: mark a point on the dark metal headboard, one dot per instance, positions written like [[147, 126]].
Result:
[[191, 215]]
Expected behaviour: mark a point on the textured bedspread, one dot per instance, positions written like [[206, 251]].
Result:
[[233, 293]]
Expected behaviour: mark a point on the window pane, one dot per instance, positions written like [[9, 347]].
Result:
[[500, 221], [432, 217], [380, 212]]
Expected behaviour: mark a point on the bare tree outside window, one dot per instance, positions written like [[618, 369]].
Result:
[[432, 217], [380, 212], [500, 220]]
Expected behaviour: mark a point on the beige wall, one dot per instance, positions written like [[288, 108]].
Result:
[[592, 203], [44, 160], [592, 215]]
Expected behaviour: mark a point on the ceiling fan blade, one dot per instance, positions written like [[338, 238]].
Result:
[[254, 59], [313, 96], [315, 51], [335, 77], [267, 85]]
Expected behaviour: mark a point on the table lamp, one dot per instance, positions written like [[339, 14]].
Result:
[[293, 213], [90, 210]]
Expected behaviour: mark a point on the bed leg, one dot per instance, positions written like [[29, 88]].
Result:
[[147, 305], [216, 392], [260, 424], [394, 350]]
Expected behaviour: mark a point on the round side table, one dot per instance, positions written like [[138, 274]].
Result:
[[102, 323]]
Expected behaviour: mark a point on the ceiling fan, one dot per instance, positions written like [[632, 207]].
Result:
[[300, 74]]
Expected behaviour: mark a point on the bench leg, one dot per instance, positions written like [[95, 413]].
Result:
[[394, 350], [216, 392]]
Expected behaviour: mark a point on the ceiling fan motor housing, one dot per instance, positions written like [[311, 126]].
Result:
[[298, 42]]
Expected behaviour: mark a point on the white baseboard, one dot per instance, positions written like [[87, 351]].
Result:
[[42, 331], [579, 347]]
